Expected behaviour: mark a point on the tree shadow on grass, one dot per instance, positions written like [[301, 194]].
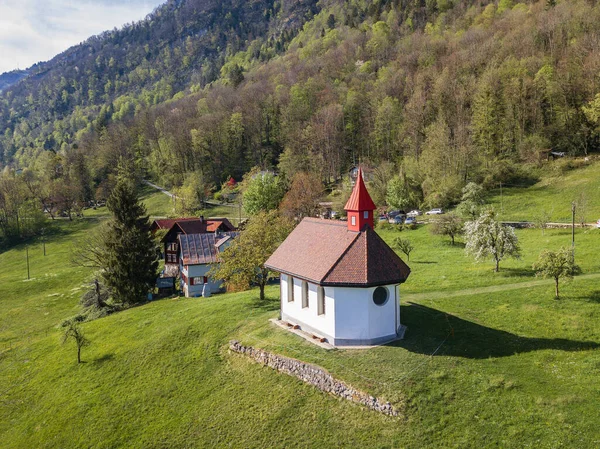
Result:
[[104, 358], [517, 272], [267, 305], [428, 327], [591, 297]]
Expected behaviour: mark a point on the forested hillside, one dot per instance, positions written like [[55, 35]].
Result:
[[432, 93], [181, 45]]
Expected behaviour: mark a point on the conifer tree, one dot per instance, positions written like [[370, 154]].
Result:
[[130, 268]]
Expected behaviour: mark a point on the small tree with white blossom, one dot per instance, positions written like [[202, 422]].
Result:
[[487, 238]]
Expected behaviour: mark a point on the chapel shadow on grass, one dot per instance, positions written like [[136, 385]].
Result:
[[428, 327]]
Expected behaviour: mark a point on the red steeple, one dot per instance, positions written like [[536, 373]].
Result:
[[360, 206]]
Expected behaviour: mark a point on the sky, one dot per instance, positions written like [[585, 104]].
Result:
[[36, 30]]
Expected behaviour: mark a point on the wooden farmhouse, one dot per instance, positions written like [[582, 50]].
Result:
[[197, 254], [185, 226], [340, 281]]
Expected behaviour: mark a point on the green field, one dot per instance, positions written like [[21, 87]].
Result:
[[553, 194], [489, 360]]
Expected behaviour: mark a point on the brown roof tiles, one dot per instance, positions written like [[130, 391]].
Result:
[[327, 253]]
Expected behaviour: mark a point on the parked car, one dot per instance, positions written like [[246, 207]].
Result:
[[410, 220], [436, 211], [393, 213], [396, 220], [382, 218], [414, 213], [598, 224]]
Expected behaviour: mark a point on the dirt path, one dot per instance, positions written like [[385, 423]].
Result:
[[491, 288]]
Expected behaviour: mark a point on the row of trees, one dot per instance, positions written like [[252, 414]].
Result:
[[487, 238]]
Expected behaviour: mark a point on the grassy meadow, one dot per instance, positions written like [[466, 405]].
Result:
[[553, 194], [489, 359]]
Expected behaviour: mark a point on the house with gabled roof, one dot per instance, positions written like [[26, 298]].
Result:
[[198, 253], [186, 226], [339, 280]]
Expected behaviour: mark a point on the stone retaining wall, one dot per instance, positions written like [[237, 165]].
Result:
[[313, 375]]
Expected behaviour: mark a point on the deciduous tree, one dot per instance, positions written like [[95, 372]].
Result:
[[488, 238], [73, 332], [262, 192], [404, 245], [243, 262], [302, 200], [449, 224], [556, 265], [471, 201]]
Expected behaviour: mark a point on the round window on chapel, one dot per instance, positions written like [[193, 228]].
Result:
[[380, 296]]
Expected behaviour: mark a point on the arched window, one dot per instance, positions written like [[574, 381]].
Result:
[[320, 300], [290, 286], [304, 294]]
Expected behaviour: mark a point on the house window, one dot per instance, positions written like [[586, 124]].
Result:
[[304, 294], [380, 296], [353, 221], [290, 285], [320, 300], [366, 215], [199, 280]]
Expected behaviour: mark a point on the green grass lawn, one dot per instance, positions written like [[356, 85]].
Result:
[[510, 368], [436, 265], [157, 203], [553, 194]]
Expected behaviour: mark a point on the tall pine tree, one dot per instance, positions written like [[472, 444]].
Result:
[[131, 264]]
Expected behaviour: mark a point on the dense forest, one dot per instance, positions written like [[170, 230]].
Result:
[[433, 93]]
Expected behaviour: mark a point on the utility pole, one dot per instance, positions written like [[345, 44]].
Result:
[[27, 257], [573, 230], [43, 241]]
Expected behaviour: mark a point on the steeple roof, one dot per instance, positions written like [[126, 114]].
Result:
[[360, 200]]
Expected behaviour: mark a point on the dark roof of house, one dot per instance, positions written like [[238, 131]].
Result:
[[360, 200], [199, 249], [167, 223], [197, 226], [327, 253]]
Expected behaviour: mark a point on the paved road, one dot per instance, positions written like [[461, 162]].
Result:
[[166, 192], [490, 289]]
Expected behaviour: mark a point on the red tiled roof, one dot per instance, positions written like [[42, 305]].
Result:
[[168, 223], [327, 253], [360, 200]]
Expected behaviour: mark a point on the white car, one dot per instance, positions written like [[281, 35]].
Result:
[[598, 224], [414, 213], [436, 211]]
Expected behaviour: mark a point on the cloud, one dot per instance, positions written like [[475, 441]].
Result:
[[36, 30]]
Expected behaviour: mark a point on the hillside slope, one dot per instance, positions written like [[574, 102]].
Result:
[[510, 369], [434, 94]]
